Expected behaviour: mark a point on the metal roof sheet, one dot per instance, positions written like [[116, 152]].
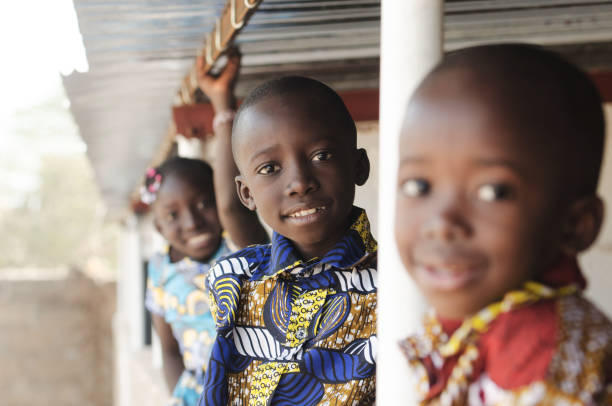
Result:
[[139, 50]]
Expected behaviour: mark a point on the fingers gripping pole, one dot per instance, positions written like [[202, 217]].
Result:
[[233, 18]]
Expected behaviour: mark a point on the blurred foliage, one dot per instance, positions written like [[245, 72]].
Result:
[[53, 214]]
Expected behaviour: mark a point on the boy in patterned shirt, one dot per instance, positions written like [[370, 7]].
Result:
[[500, 156], [296, 318]]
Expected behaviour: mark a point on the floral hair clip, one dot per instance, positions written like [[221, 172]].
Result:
[[148, 192]]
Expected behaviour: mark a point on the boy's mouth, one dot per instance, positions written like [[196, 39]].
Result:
[[447, 277], [306, 212], [447, 269]]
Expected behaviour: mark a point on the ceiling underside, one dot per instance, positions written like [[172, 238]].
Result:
[[138, 52]]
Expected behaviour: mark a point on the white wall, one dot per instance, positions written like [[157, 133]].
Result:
[[366, 196], [597, 262]]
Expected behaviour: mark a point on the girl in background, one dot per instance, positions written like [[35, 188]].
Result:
[[191, 206]]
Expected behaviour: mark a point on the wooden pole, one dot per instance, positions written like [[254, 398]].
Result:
[[234, 17]]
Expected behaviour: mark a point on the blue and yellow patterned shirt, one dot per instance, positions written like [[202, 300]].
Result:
[[295, 332]]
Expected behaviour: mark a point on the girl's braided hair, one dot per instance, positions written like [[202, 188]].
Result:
[[194, 170]]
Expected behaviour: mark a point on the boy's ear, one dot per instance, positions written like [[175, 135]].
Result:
[[362, 169], [244, 193], [582, 225]]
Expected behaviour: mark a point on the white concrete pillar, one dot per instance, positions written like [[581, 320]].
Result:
[[128, 322], [131, 282], [411, 43]]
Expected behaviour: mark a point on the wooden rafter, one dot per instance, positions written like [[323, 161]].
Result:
[[234, 17]]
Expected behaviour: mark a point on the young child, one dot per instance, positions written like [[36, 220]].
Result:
[[296, 319], [187, 210], [499, 162]]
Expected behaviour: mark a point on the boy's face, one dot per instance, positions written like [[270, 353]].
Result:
[[477, 213], [298, 172], [187, 218]]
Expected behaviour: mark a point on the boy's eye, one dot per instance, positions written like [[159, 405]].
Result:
[[268, 169], [415, 187], [492, 192], [171, 216], [322, 156], [202, 205]]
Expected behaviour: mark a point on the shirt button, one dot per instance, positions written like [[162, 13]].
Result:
[[300, 334]]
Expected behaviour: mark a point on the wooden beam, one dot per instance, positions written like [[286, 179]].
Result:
[[233, 18], [603, 81], [195, 120]]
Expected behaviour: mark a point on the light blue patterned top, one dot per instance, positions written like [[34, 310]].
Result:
[[174, 292]]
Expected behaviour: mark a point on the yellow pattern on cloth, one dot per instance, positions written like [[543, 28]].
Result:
[[304, 308], [362, 226], [266, 378], [301, 329], [464, 338], [229, 293]]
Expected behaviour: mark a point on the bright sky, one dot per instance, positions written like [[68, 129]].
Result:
[[39, 39]]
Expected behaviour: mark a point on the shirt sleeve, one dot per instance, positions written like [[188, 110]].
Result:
[[154, 296], [225, 284]]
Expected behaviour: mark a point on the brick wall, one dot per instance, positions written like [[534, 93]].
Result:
[[55, 339]]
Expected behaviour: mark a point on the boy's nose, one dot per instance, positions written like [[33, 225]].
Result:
[[301, 181], [448, 223]]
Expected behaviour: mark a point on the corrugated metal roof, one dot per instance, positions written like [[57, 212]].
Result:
[[138, 52]]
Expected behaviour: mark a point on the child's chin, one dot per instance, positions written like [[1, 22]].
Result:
[[450, 307], [204, 253]]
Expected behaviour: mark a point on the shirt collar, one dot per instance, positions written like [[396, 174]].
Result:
[[565, 271], [356, 243]]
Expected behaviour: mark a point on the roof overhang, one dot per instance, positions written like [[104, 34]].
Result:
[[139, 53]]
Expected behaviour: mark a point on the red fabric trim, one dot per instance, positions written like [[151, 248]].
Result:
[[519, 346], [565, 271]]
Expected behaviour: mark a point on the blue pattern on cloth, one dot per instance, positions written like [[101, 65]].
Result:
[[293, 331], [175, 292]]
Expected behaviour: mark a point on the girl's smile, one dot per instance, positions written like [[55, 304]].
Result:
[[186, 215]]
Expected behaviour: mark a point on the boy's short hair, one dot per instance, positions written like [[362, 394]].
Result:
[[318, 99], [543, 86]]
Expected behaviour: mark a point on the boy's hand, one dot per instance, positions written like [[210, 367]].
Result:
[[220, 89]]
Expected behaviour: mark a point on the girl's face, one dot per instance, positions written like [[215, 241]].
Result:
[[476, 210], [186, 216]]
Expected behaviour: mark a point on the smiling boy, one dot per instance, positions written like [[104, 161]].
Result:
[[296, 318], [499, 162]]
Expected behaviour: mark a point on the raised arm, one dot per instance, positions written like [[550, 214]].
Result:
[[243, 225]]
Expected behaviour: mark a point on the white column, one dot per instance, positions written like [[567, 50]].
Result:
[[411, 43], [128, 323]]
